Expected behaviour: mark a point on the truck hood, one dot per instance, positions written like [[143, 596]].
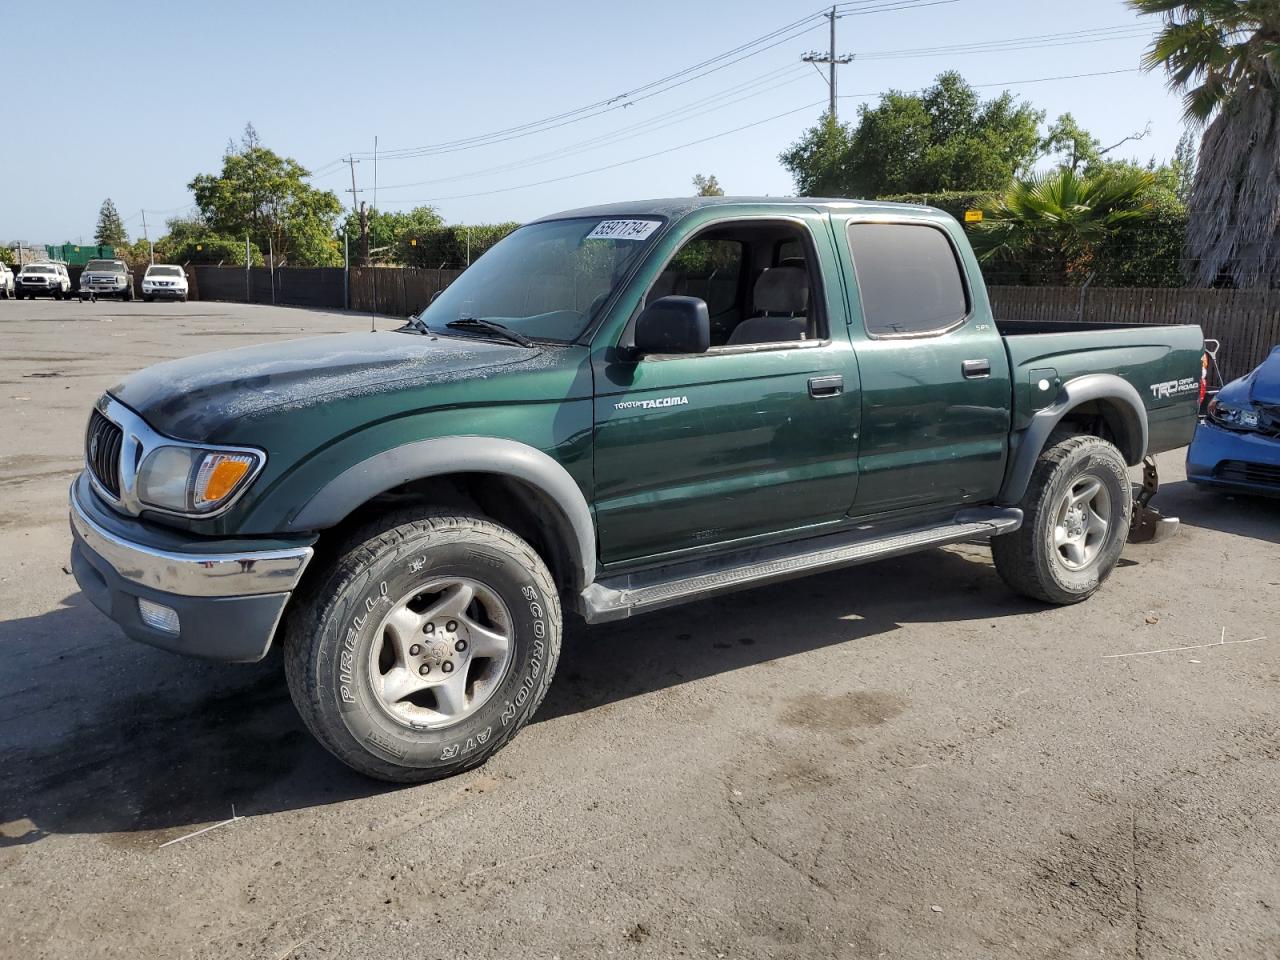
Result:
[[206, 397]]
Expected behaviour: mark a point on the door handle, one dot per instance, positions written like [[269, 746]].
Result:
[[976, 369], [826, 386]]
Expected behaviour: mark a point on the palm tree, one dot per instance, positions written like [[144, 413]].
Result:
[[1224, 57], [1051, 225]]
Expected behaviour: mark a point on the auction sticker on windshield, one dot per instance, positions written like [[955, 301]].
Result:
[[622, 230]]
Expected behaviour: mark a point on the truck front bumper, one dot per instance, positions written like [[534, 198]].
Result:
[[222, 605]]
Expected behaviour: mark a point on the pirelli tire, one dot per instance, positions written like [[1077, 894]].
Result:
[[1076, 515], [417, 606]]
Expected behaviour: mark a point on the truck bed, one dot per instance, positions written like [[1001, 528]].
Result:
[[1162, 363]]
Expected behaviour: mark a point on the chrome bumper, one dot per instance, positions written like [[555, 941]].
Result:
[[246, 573]]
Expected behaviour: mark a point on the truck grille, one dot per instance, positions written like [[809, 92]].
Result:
[[102, 452], [1240, 471]]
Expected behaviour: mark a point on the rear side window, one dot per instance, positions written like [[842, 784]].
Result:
[[908, 278]]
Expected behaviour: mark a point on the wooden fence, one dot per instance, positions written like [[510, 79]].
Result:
[[1246, 322], [396, 291]]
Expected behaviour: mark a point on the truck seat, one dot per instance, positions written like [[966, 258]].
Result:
[[781, 299]]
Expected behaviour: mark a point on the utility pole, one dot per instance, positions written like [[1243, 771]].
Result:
[[831, 60], [150, 248], [364, 217]]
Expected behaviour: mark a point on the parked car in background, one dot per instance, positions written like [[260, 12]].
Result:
[[6, 281], [106, 278], [164, 280], [43, 278], [1237, 444]]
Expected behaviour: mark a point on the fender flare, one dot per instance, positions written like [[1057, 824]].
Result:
[[1094, 386], [423, 459]]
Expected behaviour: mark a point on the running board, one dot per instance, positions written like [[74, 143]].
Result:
[[623, 596]]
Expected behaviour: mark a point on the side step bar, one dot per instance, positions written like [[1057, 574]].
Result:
[[623, 596]]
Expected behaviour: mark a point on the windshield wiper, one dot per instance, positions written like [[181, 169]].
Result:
[[490, 326]]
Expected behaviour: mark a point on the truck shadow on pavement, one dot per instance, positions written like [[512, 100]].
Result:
[[102, 735]]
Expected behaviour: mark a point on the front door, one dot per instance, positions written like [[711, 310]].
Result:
[[747, 439]]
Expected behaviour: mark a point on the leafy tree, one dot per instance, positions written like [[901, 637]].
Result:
[[944, 138], [454, 246], [391, 232], [1224, 57], [8, 256], [1051, 226], [1074, 147], [818, 161], [707, 186], [110, 229], [1184, 165], [1077, 149], [265, 196]]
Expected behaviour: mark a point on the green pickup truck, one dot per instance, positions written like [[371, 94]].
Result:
[[614, 410]]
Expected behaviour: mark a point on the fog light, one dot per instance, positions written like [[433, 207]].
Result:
[[158, 616]]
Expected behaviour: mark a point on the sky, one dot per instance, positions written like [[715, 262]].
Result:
[[135, 107]]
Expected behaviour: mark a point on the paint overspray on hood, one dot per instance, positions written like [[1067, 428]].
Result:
[[196, 397]]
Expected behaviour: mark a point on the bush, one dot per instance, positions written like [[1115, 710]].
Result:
[[208, 250], [447, 246], [954, 202]]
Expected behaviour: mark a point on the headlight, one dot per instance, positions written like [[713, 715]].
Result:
[[1242, 418], [195, 480]]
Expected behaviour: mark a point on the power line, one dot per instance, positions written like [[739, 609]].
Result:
[[725, 133], [1037, 42], [662, 85], [1014, 83], [770, 82], [621, 163]]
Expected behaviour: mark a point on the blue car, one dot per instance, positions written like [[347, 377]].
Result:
[[1237, 445]]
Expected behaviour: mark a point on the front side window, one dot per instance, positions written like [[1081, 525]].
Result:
[[546, 280], [757, 280], [908, 278]]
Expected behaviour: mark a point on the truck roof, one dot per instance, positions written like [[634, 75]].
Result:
[[675, 207]]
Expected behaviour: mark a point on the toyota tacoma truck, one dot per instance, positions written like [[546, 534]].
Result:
[[614, 410]]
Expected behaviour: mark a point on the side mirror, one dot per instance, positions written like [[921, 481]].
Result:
[[674, 325]]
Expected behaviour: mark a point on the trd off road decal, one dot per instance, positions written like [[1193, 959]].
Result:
[[1174, 388]]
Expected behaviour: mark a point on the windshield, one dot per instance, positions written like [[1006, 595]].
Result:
[[37, 270], [105, 266], [546, 280], [163, 272]]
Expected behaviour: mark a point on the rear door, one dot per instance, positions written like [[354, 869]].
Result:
[[935, 376]]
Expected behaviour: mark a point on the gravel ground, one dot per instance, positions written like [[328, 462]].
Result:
[[900, 760]]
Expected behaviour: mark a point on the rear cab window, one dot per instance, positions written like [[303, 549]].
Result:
[[909, 279]]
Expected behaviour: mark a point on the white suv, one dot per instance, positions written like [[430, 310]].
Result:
[[6, 281], [46, 277], [164, 280]]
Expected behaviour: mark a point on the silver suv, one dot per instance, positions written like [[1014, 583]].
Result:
[[106, 278]]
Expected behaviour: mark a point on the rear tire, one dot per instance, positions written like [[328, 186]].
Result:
[[1076, 511], [372, 650]]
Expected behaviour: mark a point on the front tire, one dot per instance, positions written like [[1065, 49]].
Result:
[[425, 646], [1076, 511]]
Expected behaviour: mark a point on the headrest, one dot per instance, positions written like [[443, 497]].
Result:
[[782, 290]]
